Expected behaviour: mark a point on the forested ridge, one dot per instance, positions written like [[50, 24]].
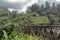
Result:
[[11, 23]]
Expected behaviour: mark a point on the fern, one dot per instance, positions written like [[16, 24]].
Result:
[[5, 35]]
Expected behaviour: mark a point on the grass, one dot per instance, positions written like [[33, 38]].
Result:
[[19, 36], [39, 20]]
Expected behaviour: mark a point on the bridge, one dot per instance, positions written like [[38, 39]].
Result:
[[36, 29]]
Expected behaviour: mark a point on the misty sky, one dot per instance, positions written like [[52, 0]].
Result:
[[21, 4]]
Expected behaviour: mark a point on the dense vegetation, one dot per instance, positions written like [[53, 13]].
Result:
[[12, 22]]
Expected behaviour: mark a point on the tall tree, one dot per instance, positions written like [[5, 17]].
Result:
[[47, 4], [58, 7], [33, 8], [54, 5], [42, 7]]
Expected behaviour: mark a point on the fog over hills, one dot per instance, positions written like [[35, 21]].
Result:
[[21, 5], [40, 2]]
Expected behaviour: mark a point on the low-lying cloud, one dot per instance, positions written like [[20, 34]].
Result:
[[18, 5]]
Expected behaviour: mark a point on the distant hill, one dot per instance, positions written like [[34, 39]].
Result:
[[40, 2]]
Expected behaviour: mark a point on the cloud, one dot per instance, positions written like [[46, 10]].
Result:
[[40, 2], [58, 0], [29, 4], [14, 1], [17, 4]]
